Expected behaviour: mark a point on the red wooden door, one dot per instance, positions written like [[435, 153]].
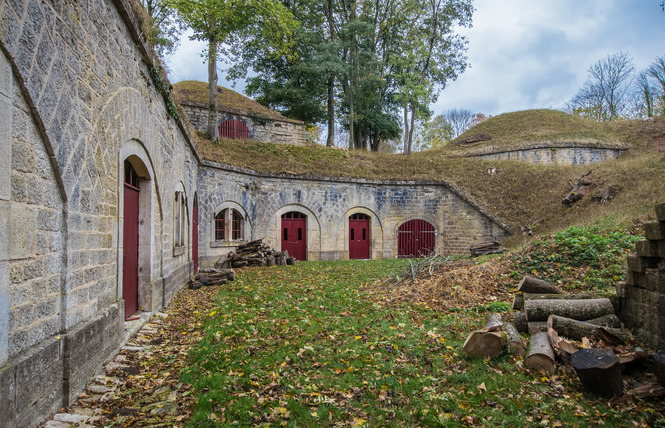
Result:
[[415, 238], [359, 236], [294, 234], [130, 266], [195, 236], [233, 129]]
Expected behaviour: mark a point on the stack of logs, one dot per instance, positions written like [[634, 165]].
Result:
[[208, 277], [485, 248], [556, 322], [255, 253]]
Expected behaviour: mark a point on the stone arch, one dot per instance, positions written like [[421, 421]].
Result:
[[247, 224], [376, 231], [150, 214], [273, 235]]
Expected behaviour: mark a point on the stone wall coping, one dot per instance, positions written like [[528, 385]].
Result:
[[490, 150], [239, 112], [149, 56], [330, 179]]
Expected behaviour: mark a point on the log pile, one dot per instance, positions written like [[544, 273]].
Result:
[[255, 253], [484, 248], [568, 331], [209, 277]]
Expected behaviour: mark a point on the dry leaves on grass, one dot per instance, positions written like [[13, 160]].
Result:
[[455, 285]]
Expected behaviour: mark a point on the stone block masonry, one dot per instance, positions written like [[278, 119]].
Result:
[[642, 295]]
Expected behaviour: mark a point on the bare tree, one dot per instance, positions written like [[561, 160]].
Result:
[[645, 96], [460, 119], [657, 71], [604, 95]]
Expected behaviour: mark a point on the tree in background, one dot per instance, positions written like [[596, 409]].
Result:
[[250, 23], [604, 95], [164, 28], [459, 119], [657, 71], [435, 133], [644, 96]]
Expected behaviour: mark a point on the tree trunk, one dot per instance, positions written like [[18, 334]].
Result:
[[540, 310], [331, 112], [606, 321], [576, 330], [487, 342], [518, 300], [212, 89], [537, 327], [539, 354], [530, 284], [407, 148], [515, 344], [519, 319], [599, 371]]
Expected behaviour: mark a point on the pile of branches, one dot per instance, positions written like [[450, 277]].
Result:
[[423, 267], [255, 253]]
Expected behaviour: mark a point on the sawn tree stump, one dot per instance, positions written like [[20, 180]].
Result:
[[599, 371]]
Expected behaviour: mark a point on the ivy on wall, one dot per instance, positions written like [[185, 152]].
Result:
[[164, 88]]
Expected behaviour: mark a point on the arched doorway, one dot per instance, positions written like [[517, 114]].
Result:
[[359, 236], [130, 267], [415, 238], [294, 234]]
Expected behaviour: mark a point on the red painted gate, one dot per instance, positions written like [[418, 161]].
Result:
[[233, 129], [195, 236], [294, 234], [359, 236], [415, 238], [130, 242]]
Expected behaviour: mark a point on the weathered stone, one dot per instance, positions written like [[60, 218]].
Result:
[[660, 212], [70, 418], [646, 248], [641, 264], [654, 231]]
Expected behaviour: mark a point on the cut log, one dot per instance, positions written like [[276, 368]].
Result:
[[577, 296], [515, 344], [611, 320], [518, 301], [577, 191], [519, 319], [530, 284], [539, 354], [576, 330], [540, 310], [599, 371], [487, 342], [537, 327], [659, 366]]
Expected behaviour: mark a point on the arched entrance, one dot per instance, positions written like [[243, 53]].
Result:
[[359, 236], [294, 234], [415, 238], [130, 267]]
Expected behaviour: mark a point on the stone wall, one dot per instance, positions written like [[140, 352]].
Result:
[[262, 199], [564, 156], [77, 101], [260, 129], [642, 295]]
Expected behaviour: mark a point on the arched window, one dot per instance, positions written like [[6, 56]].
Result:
[[233, 129], [233, 218]]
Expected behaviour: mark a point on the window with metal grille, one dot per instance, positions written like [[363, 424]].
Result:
[[220, 225], [236, 226], [233, 129]]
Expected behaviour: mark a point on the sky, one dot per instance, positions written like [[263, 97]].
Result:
[[523, 54]]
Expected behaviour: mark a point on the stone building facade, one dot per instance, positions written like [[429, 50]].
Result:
[[90, 157]]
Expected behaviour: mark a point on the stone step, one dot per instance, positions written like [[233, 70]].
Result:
[[98, 389], [132, 348], [70, 418]]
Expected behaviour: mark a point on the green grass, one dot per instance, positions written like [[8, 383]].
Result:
[[317, 345]]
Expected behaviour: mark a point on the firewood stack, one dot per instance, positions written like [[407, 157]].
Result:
[[255, 253], [208, 277], [580, 331]]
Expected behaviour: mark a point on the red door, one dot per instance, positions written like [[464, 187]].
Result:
[[130, 266], [359, 236], [415, 238], [195, 236], [233, 129], [294, 234]]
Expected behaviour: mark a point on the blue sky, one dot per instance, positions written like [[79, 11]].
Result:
[[524, 54]]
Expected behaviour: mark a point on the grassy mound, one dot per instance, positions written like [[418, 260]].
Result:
[[520, 194]]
